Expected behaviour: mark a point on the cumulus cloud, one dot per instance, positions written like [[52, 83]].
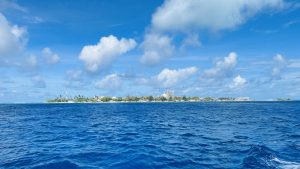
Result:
[[238, 82], [169, 78], [13, 43], [223, 68], [188, 15], [101, 55], [156, 48], [13, 39], [110, 82], [49, 56]]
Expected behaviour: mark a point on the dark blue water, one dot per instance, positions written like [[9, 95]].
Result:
[[151, 135]]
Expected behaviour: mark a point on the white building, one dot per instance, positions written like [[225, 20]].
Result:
[[242, 99], [168, 94]]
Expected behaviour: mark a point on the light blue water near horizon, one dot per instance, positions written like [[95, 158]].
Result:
[[151, 135]]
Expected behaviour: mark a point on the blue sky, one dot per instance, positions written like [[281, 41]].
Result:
[[218, 48]]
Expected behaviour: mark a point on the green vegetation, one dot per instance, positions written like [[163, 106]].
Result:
[[281, 99], [162, 98], [208, 99]]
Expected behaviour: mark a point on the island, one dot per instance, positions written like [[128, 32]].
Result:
[[165, 97]]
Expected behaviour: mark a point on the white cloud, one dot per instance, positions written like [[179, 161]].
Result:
[[13, 43], [169, 78], [101, 55], [13, 39], [223, 68], [291, 23], [279, 59], [188, 15], [156, 48], [11, 7], [49, 56], [8, 4], [238, 82], [192, 40], [280, 64], [34, 19], [110, 82]]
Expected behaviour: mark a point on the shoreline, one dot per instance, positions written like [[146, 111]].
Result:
[[116, 102], [257, 101]]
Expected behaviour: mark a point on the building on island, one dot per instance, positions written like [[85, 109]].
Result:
[[242, 99], [169, 94]]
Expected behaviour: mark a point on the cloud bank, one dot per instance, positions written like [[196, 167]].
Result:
[[190, 17]]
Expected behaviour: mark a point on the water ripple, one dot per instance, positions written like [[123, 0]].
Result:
[[150, 135]]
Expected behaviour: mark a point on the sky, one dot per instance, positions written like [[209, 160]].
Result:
[[216, 48]]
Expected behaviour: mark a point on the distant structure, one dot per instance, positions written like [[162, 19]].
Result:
[[168, 94], [242, 99]]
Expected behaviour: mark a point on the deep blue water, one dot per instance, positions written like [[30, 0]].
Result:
[[151, 135]]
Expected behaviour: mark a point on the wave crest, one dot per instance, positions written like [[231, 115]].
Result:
[[263, 157]]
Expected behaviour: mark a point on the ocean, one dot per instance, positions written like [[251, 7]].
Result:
[[151, 135]]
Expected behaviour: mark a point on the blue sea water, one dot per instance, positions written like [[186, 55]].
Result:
[[151, 135]]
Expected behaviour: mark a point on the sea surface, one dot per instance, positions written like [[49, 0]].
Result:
[[151, 135]]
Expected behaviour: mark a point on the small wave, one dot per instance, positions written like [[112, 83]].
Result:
[[264, 157], [58, 165], [286, 164], [258, 157]]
